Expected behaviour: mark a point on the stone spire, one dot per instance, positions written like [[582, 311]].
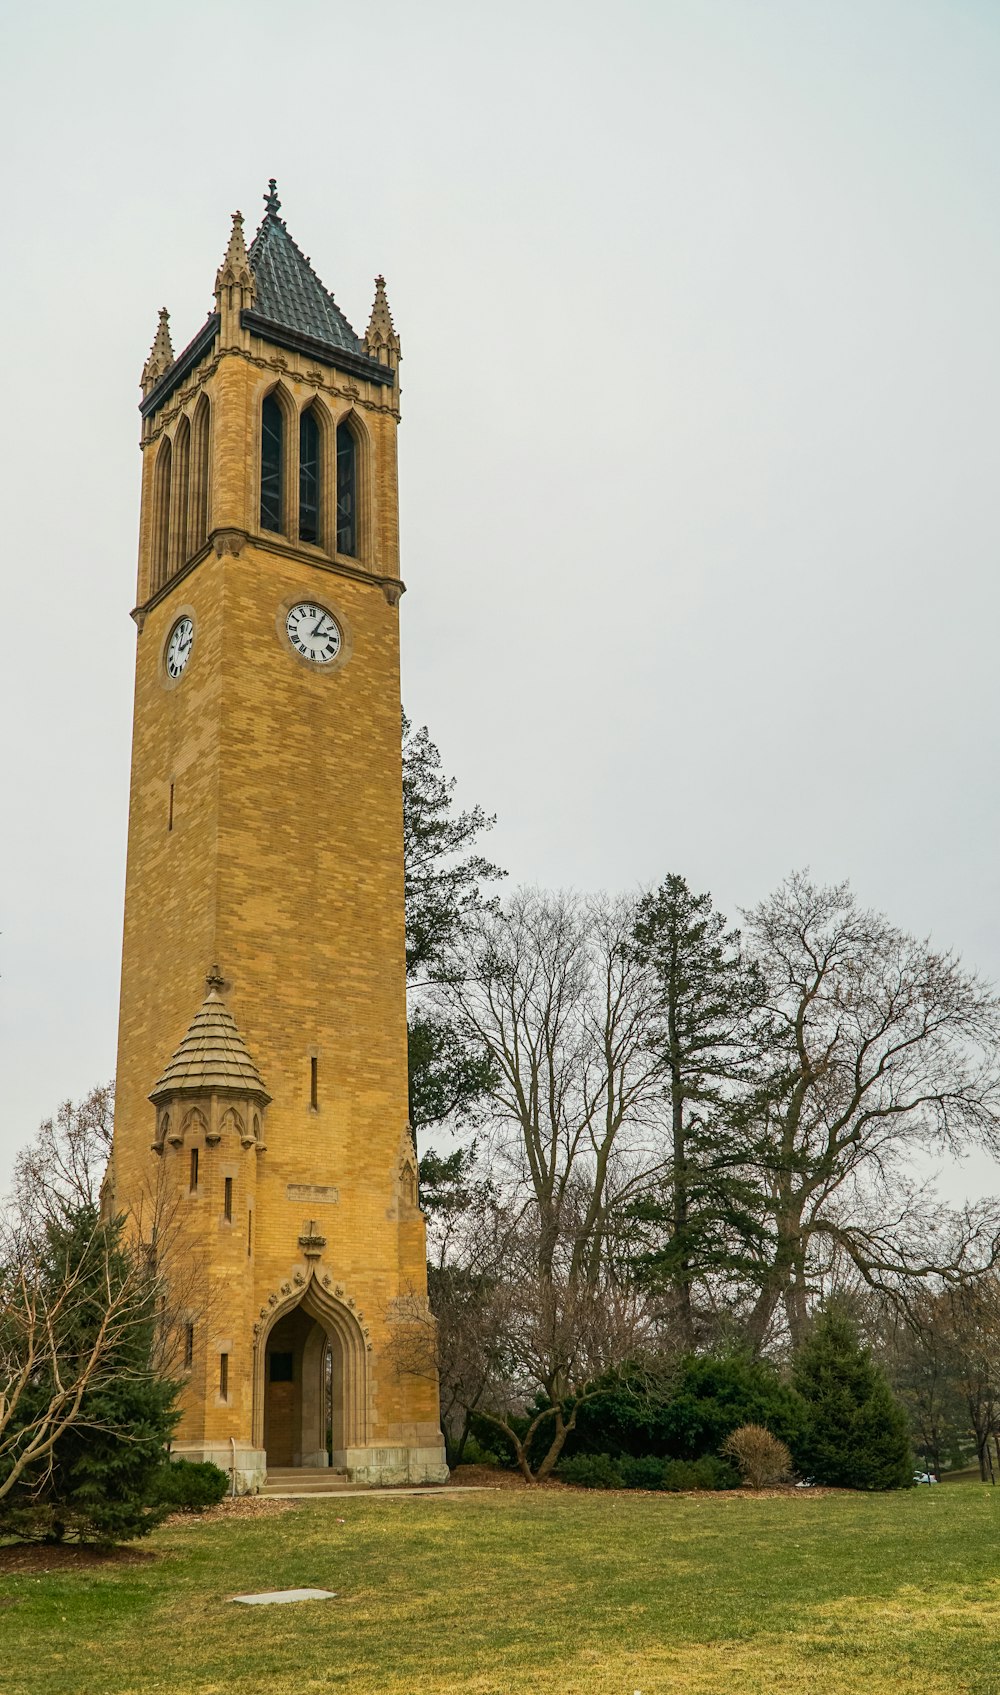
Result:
[[235, 272], [381, 341], [235, 289], [161, 354]]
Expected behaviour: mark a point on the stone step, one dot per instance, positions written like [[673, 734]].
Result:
[[304, 1480]]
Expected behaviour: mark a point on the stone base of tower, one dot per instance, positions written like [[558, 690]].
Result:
[[378, 1468], [383, 1467], [248, 1466]]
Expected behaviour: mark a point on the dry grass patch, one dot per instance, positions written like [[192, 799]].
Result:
[[526, 1592]]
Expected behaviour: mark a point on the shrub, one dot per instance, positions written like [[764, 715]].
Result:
[[644, 1473], [763, 1459], [707, 1473], [189, 1485], [855, 1434], [591, 1471], [707, 1397]]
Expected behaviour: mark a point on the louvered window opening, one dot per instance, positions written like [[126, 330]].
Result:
[[309, 477], [272, 429], [347, 477]]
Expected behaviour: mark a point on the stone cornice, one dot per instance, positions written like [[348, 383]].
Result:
[[230, 541]]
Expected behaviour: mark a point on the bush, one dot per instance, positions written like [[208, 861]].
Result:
[[763, 1460], [855, 1435], [710, 1396], [591, 1471], [647, 1471], [188, 1486], [707, 1473], [644, 1473]]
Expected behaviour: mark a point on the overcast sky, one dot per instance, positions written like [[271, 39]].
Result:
[[698, 303]]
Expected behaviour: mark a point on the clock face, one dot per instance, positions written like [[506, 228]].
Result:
[[179, 647], [313, 632]]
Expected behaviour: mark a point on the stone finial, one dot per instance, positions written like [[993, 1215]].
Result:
[[235, 272], [381, 340], [214, 981], [161, 354]]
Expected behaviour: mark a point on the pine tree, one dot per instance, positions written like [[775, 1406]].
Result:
[[443, 878], [856, 1434], [98, 1482], [708, 1218]]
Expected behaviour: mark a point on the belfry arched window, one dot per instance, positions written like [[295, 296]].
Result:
[[161, 514], [347, 490], [310, 476], [272, 464], [198, 499]]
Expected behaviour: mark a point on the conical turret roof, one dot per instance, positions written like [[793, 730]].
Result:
[[289, 292], [213, 1057]]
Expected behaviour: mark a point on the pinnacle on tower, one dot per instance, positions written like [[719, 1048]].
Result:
[[161, 354], [381, 340], [235, 272]]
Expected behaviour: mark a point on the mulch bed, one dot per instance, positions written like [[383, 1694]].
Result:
[[37, 1557]]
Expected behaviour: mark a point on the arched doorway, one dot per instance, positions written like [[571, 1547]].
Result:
[[311, 1401], [298, 1392]]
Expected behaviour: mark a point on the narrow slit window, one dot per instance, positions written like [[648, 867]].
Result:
[[347, 491], [228, 1201], [189, 1346], [194, 1170], [170, 809], [272, 464], [314, 1083], [224, 1376], [309, 475], [249, 1232]]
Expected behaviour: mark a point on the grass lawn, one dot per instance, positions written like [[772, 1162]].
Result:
[[534, 1593]]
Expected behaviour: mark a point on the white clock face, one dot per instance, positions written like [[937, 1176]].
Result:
[[313, 632], [179, 647]]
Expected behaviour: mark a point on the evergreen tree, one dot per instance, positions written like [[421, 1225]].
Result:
[[709, 1217], [98, 1480], [856, 1434], [443, 877]]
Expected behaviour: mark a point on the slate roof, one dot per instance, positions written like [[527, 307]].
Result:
[[289, 292], [212, 1058]]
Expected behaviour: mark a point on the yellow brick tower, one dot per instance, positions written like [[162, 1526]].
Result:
[[262, 1088]]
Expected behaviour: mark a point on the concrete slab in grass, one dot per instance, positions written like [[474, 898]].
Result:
[[274, 1597]]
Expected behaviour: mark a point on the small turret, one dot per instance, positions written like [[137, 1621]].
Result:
[[235, 289], [161, 354], [381, 341]]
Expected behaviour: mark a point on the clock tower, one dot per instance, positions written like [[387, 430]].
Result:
[[261, 1124]]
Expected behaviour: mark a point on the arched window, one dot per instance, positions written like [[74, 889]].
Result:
[[309, 476], [161, 517], [272, 464], [180, 474], [347, 490], [198, 509]]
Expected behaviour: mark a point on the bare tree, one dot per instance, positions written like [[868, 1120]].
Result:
[[879, 1050], [551, 990], [62, 1169]]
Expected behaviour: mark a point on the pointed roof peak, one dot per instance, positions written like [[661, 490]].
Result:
[[288, 291], [380, 336], [212, 1057], [161, 354], [235, 272]]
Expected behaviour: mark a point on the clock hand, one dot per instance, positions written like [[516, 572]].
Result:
[[319, 630]]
